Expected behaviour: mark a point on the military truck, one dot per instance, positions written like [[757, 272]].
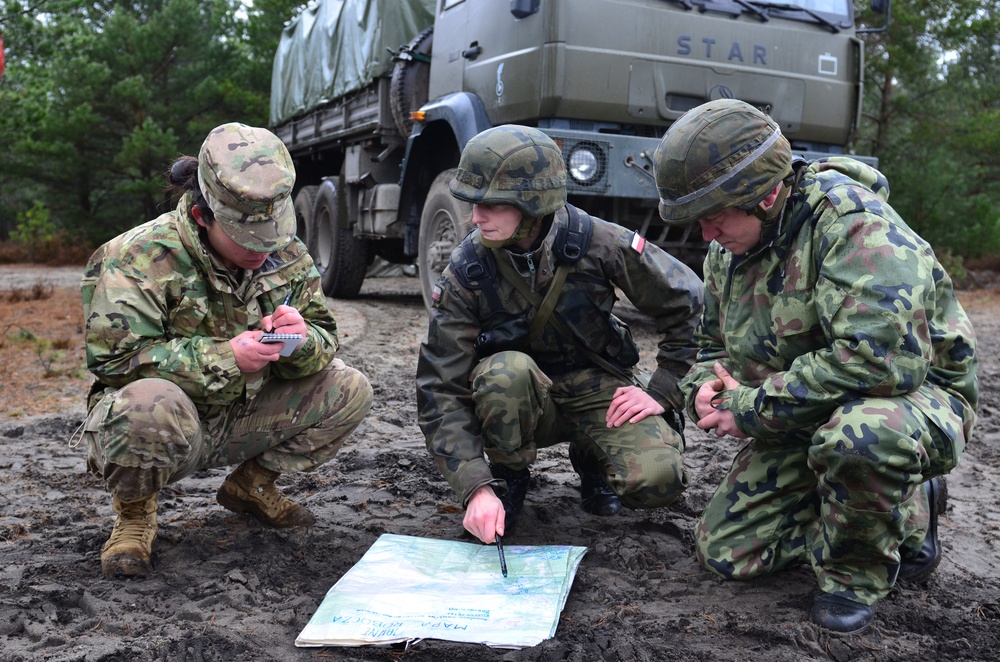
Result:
[[375, 100]]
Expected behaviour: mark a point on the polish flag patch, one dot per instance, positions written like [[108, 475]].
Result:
[[638, 242], [436, 293]]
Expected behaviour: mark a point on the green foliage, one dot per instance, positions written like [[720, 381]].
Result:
[[99, 98], [34, 227], [931, 102]]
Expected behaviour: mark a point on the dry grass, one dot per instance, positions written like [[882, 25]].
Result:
[[42, 356], [61, 250]]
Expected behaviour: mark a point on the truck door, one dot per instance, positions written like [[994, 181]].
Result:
[[482, 48]]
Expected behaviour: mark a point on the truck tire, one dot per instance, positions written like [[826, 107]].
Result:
[[410, 83], [305, 200], [340, 257], [444, 222]]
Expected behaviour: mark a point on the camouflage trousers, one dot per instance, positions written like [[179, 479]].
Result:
[[843, 502], [521, 409], [149, 433]]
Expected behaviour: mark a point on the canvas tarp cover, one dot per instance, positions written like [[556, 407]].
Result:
[[338, 46]]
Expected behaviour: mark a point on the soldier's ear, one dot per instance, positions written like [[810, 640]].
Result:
[[771, 197], [198, 217]]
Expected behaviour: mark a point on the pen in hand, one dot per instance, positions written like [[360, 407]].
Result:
[[503, 561], [291, 293]]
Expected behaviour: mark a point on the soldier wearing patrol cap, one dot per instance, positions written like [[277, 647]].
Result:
[[832, 341], [175, 310], [523, 350]]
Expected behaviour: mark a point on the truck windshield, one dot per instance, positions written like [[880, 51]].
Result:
[[834, 14]]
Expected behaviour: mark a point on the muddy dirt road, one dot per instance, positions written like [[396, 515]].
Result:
[[226, 589]]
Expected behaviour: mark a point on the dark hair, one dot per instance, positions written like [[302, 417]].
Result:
[[183, 177]]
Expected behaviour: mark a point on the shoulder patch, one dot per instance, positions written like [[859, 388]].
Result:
[[436, 293], [638, 242]]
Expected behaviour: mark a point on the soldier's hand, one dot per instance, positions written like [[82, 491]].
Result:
[[630, 404], [251, 354], [722, 421], [484, 515], [285, 319], [707, 392]]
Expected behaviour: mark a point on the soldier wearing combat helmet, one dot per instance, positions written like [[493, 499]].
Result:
[[175, 312], [833, 342], [523, 350]]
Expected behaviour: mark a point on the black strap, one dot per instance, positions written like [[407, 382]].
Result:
[[477, 273], [507, 270]]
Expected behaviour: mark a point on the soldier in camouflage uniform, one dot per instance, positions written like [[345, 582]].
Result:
[[175, 310], [491, 389], [833, 343]]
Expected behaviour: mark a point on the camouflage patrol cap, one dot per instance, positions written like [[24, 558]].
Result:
[[721, 154], [512, 165], [246, 175]]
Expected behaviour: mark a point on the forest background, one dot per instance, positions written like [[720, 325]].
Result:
[[100, 96]]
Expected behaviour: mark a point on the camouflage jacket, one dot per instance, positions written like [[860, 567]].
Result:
[[158, 304], [656, 283], [842, 300]]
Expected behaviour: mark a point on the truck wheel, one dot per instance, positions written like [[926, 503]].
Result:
[[305, 200], [410, 83], [444, 222], [340, 257]]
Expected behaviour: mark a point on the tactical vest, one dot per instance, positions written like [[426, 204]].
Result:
[[475, 268]]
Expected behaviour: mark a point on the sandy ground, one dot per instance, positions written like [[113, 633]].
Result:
[[224, 588]]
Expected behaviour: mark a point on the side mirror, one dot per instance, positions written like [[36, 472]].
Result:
[[523, 8], [879, 7]]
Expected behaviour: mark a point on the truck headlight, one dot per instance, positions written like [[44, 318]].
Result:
[[584, 164]]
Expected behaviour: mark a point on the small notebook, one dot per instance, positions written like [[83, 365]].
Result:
[[290, 341]]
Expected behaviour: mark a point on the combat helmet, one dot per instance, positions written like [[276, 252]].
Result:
[[513, 165], [721, 154]]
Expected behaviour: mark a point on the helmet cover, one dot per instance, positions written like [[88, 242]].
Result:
[[721, 154]]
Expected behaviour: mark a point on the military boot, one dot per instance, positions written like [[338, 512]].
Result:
[[128, 550], [517, 489], [250, 489], [595, 496], [841, 615], [916, 566]]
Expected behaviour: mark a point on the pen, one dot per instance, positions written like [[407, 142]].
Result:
[[288, 297], [503, 561]]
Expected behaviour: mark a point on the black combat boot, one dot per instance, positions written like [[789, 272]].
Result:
[[917, 566], [841, 615], [595, 496], [517, 489]]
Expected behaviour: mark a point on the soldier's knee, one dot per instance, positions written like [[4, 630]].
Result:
[[508, 368], [656, 485], [148, 423], [157, 400]]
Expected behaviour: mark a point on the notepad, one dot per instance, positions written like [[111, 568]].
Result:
[[290, 341]]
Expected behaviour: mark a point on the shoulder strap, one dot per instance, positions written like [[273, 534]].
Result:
[[547, 306], [477, 271], [573, 238]]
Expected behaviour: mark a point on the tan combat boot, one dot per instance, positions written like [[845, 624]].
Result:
[[128, 550], [250, 489]]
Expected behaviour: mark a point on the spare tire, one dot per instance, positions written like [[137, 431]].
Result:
[[410, 84]]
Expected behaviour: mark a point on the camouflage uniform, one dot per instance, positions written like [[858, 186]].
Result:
[[529, 395], [169, 399], [858, 383]]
